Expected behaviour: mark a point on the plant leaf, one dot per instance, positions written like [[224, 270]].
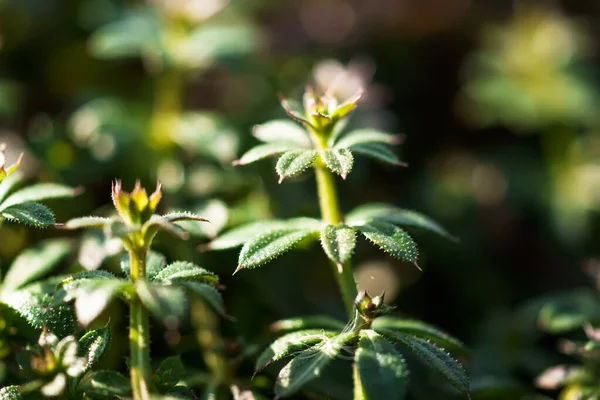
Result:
[[34, 214], [308, 364], [378, 152], [93, 344], [11, 393], [339, 161], [338, 242], [391, 239], [206, 293], [388, 326], [104, 385], [436, 359], [165, 303], [263, 151], [282, 130], [290, 344], [87, 222], [38, 192], [93, 295], [395, 215], [35, 262], [568, 311], [382, 370], [268, 246], [242, 234], [155, 262], [309, 322], [294, 162], [8, 184], [366, 137], [182, 216], [185, 271]]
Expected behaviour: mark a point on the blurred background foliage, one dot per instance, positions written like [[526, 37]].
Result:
[[498, 100]]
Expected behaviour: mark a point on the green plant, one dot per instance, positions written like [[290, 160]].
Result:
[[314, 342]]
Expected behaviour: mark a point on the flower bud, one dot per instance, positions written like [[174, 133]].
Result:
[[371, 307], [135, 208]]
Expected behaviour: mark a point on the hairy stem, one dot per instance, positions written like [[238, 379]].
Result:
[[330, 213], [139, 332]]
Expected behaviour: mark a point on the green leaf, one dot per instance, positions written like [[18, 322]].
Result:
[[290, 344], [338, 242], [94, 295], [366, 137], [10, 393], [309, 322], [39, 192], [339, 161], [569, 311], [185, 271], [278, 131], [34, 214], [378, 152], [216, 212], [395, 215], [263, 151], [169, 373], [87, 222], [206, 293], [382, 370], [155, 262], [240, 235], [266, 247], [389, 326], [35, 262], [182, 216], [105, 385], [436, 359], [391, 239], [308, 364], [8, 184], [294, 162], [165, 303], [93, 344]]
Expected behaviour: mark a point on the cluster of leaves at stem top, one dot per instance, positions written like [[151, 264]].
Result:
[[315, 138]]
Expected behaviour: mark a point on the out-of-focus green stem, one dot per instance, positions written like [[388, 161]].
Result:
[[167, 105], [139, 332]]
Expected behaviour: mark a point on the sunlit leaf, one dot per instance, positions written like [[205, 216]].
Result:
[[294, 163], [166, 303], [282, 131], [391, 239], [382, 370], [339, 161], [569, 311], [309, 364], [87, 222], [206, 293], [366, 137], [105, 385], [93, 344], [216, 212], [263, 151], [34, 214], [338, 242], [308, 322], [38, 192], [35, 262], [185, 271], [7, 184], [378, 152], [11, 393], [94, 295]]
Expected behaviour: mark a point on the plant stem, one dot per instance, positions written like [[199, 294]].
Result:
[[330, 213], [167, 106], [139, 332]]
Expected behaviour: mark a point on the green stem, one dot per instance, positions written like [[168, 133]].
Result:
[[139, 331], [330, 213]]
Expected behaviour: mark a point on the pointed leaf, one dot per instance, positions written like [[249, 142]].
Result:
[[94, 295], [278, 131], [93, 344], [391, 239], [309, 364], [185, 271], [182, 216], [207, 293], [157, 223], [290, 344], [155, 262], [269, 246], [263, 151], [338, 242], [366, 137], [339, 161], [105, 385], [394, 215], [436, 359], [34, 214], [11, 393], [382, 370], [240, 235], [379, 152], [35, 262], [165, 303], [8, 184], [294, 162], [388, 326], [39, 192], [87, 222], [308, 322]]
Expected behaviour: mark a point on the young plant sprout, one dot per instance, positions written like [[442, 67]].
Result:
[[315, 139]]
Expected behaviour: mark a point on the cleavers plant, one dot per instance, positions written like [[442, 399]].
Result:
[[377, 342]]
